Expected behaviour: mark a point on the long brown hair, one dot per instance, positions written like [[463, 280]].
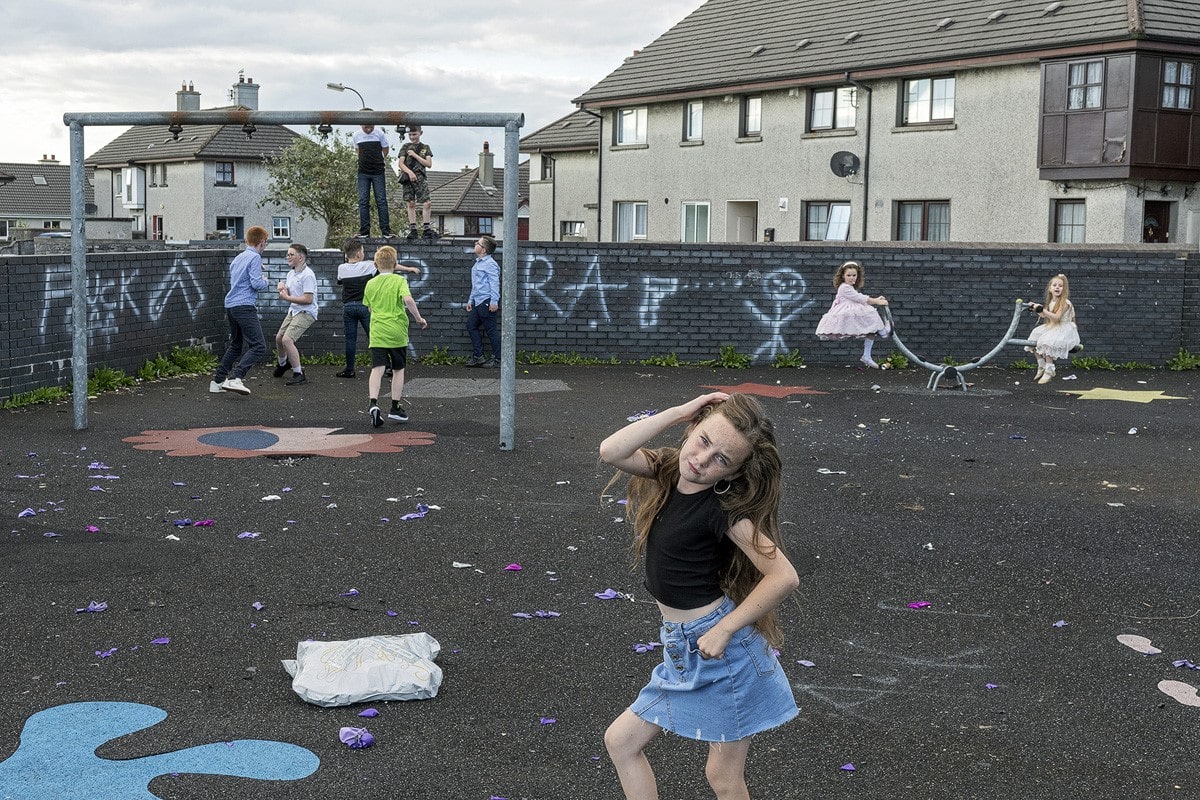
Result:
[[754, 494], [841, 271]]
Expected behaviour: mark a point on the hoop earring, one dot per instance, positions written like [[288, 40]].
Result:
[[717, 490]]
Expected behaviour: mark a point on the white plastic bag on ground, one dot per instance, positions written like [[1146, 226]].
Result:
[[367, 669]]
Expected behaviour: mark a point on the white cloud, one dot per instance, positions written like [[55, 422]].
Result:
[[525, 56]]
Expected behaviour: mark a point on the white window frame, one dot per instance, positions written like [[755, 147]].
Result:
[[833, 223], [631, 125], [832, 109], [693, 121], [689, 229], [572, 227], [928, 101], [281, 227], [631, 221], [232, 180]]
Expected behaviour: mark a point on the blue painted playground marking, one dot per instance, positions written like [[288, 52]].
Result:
[[57, 756], [240, 440]]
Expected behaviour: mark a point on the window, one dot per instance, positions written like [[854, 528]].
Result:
[[750, 123], [631, 125], [154, 174], [695, 222], [1178, 84], [631, 221], [1070, 221], [281, 227], [3, 229], [827, 222], [547, 168], [693, 121], [831, 109], [156, 227], [225, 173], [572, 228], [231, 226], [928, 100], [162, 174], [923, 221], [477, 226], [1085, 85]]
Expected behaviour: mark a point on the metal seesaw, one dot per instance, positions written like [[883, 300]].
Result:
[[941, 371]]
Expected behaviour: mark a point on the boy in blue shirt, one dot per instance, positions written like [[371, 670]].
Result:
[[246, 280], [483, 303]]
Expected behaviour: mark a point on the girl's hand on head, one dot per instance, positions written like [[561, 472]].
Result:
[[697, 405]]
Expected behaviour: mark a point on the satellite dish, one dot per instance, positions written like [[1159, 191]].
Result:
[[844, 164]]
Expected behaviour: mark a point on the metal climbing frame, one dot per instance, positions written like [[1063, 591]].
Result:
[[941, 371]]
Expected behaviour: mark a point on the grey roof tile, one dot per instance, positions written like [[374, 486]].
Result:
[[578, 130], [145, 144], [464, 194], [25, 196], [734, 43]]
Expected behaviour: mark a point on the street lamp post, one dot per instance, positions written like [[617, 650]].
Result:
[[341, 87]]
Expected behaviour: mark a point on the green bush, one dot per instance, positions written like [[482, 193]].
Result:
[[895, 360], [107, 379], [669, 360], [1093, 362], [729, 358], [1184, 360], [440, 356], [791, 358], [46, 394]]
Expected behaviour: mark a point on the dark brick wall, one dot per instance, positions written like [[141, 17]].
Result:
[[631, 301]]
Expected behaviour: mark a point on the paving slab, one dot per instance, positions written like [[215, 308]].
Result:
[[1039, 524]]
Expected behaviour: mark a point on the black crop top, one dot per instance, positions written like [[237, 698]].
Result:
[[686, 550]]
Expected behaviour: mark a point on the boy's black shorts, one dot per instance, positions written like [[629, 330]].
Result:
[[394, 357]]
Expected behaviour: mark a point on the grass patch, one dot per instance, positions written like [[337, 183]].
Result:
[[729, 358], [442, 357], [791, 359], [669, 360], [895, 360], [46, 394], [572, 359], [1184, 360]]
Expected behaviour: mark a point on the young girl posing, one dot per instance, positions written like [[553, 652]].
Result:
[[1057, 334], [851, 315], [705, 516]]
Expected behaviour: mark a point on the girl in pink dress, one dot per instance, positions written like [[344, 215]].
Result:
[[1056, 335], [851, 315]]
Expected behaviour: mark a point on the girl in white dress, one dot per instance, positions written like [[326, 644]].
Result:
[[851, 316], [1057, 335]]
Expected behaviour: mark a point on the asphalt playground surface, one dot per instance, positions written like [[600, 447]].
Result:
[[1037, 524]]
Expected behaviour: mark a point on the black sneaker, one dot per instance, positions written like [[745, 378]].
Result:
[[389, 235], [281, 368], [493, 364], [476, 361], [398, 414], [360, 235], [376, 417], [430, 233], [346, 373], [412, 234], [296, 379]]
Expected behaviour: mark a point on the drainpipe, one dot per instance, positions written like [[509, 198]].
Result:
[[866, 170], [599, 169], [553, 196]]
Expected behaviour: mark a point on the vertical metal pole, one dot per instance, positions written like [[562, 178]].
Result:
[[508, 289], [79, 315]]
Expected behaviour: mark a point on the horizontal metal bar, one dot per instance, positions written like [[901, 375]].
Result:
[[243, 116]]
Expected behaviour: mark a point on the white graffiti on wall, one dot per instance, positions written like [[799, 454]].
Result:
[[774, 299], [115, 299]]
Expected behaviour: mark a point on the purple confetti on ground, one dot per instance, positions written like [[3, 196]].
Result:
[[523, 615], [92, 529], [990, 686], [161, 640], [257, 606], [369, 712], [349, 593], [513, 568], [249, 535], [203, 523], [806, 663], [847, 767], [97, 489], [178, 483], [52, 535], [608, 594], [98, 465], [182, 523], [106, 653], [94, 607], [546, 614], [1062, 623], [920, 604], [29, 512], [391, 613], [548, 720]]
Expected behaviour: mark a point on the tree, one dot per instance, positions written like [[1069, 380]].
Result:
[[318, 175]]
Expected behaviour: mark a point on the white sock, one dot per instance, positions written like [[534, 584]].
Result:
[[867, 345]]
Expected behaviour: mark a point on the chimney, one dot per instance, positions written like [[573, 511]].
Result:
[[245, 93], [485, 166], [52, 159], [187, 98]]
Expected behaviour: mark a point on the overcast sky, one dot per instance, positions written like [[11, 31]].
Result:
[[523, 56]]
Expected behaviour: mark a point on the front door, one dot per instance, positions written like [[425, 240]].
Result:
[[1156, 221]]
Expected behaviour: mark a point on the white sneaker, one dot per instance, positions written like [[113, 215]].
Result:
[[214, 387], [235, 385]]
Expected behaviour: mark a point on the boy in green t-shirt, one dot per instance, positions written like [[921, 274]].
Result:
[[387, 295]]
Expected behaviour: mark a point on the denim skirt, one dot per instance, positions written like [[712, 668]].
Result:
[[724, 699]]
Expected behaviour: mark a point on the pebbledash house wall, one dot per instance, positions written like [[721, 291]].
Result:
[[629, 301]]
